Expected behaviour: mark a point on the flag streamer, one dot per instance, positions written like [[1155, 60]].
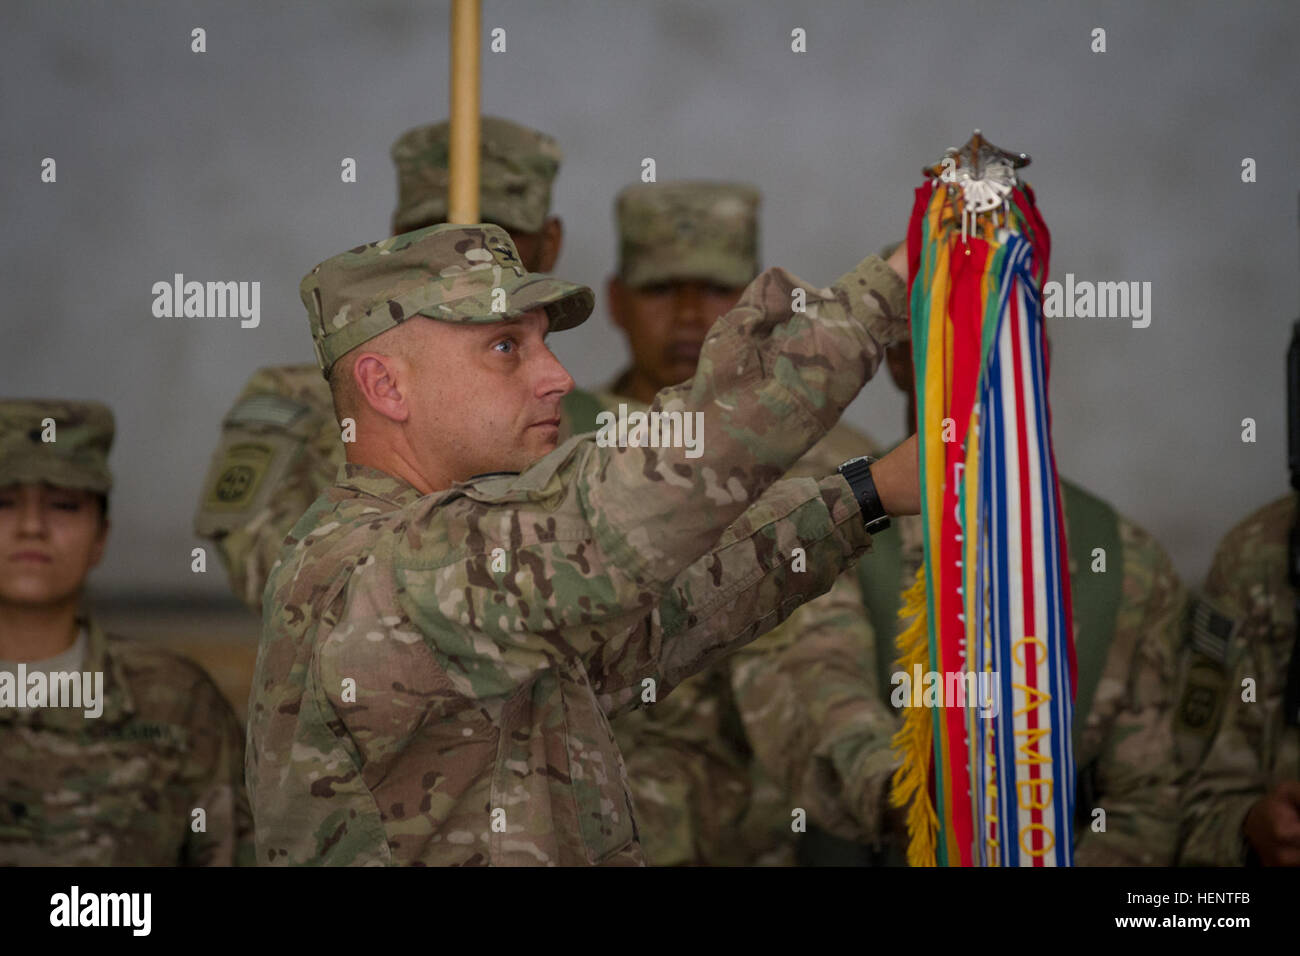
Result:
[[987, 766]]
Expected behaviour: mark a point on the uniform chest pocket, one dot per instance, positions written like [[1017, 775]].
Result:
[[597, 773]]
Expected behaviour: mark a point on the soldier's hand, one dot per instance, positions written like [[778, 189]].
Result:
[[1273, 825], [897, 479]]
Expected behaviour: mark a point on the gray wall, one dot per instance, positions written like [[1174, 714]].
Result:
[[225, 165]]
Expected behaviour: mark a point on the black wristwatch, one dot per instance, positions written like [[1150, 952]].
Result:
[[857, 472]]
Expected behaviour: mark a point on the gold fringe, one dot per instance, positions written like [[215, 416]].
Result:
[[913, 740]]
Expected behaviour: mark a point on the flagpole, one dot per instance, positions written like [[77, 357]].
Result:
[[462, 199]]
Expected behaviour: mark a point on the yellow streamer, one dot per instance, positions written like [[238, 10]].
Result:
[[913, 740]]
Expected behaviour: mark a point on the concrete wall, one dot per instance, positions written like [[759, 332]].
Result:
[[225, 165]]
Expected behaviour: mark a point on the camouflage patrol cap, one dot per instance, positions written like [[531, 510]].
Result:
[[56, 442], [518, 165], [447, 272], [688, 230]]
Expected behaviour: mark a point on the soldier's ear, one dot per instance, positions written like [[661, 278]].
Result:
[[378, 379], [552, 243]]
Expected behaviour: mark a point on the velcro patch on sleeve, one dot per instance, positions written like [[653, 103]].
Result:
[[267, 409], [241, 473], [242, 480]]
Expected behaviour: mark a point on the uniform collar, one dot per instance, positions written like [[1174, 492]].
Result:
[[372, 483], [118, 701]]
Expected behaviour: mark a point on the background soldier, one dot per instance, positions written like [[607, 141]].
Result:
[[523, 610], [156, 778], [280, 443], [686, 252], [1243, 803], [1242, 679]]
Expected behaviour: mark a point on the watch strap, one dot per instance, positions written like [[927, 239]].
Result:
[[857, 472]]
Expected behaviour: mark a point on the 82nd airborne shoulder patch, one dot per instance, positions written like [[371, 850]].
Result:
[[258, 443]]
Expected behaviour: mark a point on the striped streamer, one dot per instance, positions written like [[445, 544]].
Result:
[[988, 774]]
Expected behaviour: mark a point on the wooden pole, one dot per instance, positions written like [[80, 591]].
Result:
[[462, 201]]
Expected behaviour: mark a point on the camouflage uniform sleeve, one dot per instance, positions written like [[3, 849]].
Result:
[[746, 586], [807, 695], [279, 449], [249, 552], [1228, 778], [1240, 628], [1131, 726], [688, 775], [771, 380], [214, 774], [1215, 811]]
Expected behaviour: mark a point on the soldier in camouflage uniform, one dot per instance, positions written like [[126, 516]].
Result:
[[152, 772], [686, 252], [1243, 802], [821, 705], [450, 627], [280, 443]]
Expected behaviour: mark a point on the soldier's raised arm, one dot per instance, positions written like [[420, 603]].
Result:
[[774, 375], [785, 550]]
